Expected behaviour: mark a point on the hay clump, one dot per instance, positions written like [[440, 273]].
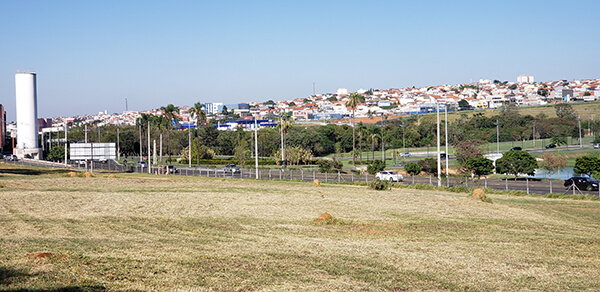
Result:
[[72, 174], [112, 175], [316, 183], [87, 174], [479, 194], [326, 218]]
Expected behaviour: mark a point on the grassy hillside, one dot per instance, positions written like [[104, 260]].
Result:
[[142, 232]]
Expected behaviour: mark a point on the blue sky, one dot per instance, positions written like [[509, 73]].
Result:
[[91, 55]]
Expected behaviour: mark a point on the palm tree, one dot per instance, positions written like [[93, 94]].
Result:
[[285, 122], [171, 113], [198, 112], [353, 101], [361, 127], [142, 121]]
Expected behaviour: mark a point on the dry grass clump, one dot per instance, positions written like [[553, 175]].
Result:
[[72, 174], [87, 174], [479, 194], [316, 183], [112, 175]]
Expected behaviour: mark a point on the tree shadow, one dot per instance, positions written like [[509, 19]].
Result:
[[8, 275]]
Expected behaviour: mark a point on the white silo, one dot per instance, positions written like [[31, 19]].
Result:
[[27, 134]]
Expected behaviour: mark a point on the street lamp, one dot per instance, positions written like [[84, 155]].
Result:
[[497, 136], [579, 122]]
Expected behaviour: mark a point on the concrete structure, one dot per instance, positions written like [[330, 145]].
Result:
[[27, 134], [2, 126], [525, 79]]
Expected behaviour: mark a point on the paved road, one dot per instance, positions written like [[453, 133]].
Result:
[[527, 186]]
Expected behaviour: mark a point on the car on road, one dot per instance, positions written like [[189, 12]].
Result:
[[172, 169], [231, 168], [11, 157], [142, 164], [550, 146], [582, 183], [597, 146], [516, 148], [405, 154], [389, 175]]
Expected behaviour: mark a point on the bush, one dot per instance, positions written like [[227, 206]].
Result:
[[380, 185], [375, 167], [329, 165]]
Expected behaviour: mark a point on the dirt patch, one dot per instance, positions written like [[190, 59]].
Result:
[[39, 255]]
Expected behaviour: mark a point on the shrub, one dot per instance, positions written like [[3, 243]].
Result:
[[329, 165], [375, 166], [380, 185]]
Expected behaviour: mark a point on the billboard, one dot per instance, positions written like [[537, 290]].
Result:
[[93, 151]]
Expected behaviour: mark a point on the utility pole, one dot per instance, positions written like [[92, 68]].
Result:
[[189, 145], [439, 162], [256, 146], [382, 143], [118, 146], [149, 166], [497, 137], [66, 141], [579, 122], [447, 171]]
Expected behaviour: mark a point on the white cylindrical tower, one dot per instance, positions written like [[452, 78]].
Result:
[[27, 133]]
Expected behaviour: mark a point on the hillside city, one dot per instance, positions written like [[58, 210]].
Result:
[[391, 103]]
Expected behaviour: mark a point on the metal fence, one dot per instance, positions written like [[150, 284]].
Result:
[[507, 184]]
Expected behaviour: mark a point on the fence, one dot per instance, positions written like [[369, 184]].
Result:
[[525, 185]]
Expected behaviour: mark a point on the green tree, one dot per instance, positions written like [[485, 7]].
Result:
[[516, 162], [412, 168], [587, 165], [463, 104], [171, 113], [551, 163], [558, 140], [57, 153], [375, 166], [329, 165], [428, 165], [285, 122], [465, 150], [353, 101], [480, 166], [565, 111], [197, 111]]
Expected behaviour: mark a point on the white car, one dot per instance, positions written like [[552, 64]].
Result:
[[389, 176], [405, 154]]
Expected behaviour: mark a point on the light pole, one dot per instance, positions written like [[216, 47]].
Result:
[[579, 122], [256, 146], [403, 140], [447, 171], [439, 162], [497, 136]]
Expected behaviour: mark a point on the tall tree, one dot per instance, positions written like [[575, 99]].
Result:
[[170, 112], [197, 111], [285, 122], [516, 162], [551, 163], [353, 101]]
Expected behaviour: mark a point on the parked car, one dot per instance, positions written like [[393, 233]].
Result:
[[405, 154], [596, 146], [231, 168], [142, 164], [516, 148], [11, 157], [582, 183], [550, 146], [172, 169], [389, 176], [442, 155]]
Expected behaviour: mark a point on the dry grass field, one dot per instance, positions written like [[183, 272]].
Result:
[[141, 232]]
